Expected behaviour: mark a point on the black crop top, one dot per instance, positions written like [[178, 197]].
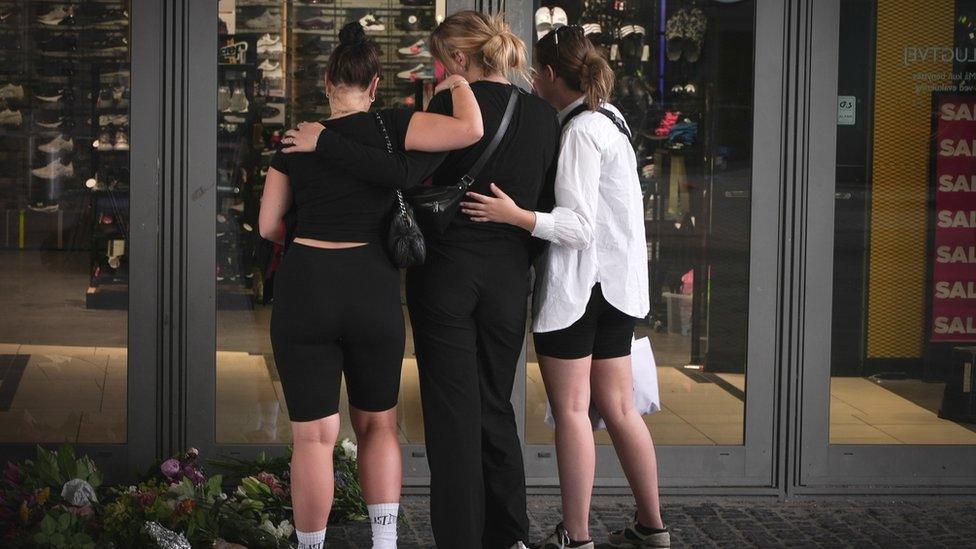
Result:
[[332, 203], [524, 165]]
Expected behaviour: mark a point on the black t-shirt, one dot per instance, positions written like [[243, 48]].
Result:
[[523, 166], [331, 202]]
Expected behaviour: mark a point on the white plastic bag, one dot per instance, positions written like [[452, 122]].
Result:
[[647, 397]]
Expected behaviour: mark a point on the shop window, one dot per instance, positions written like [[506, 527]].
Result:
[[64, 221], [904, 317]]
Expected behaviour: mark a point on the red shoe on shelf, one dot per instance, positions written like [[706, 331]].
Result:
[[668, 122]]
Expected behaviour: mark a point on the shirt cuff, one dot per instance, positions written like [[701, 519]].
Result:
[[545, 226]]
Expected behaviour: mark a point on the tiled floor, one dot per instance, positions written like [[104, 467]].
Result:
[[75, 393], [63, 378]]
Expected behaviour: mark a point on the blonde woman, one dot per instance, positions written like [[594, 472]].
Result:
[[467, 302], [591, 288]]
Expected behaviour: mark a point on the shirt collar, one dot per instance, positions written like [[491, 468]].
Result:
[[569, 108]]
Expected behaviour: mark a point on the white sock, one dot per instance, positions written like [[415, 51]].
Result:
[[383, 521], [311, 540]]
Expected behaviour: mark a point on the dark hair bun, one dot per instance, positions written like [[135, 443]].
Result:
[[352, 34]]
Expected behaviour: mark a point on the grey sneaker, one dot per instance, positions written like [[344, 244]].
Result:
[[54, 170], [56, 145], [631, 537], [11, 118], [268, 19], [12, 91], [559, 539]]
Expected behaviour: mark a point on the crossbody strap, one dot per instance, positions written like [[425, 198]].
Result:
[[475, 170], [605, 112], [401, 203]]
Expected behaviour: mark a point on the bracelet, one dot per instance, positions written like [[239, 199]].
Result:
[[461, 82]]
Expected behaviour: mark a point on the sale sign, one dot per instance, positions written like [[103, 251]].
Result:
[[953, 253]]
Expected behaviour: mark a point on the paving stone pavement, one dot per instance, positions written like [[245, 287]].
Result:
[[725, 522]]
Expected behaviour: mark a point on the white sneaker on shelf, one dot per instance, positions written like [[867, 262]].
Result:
[[543, 22], [268, 65], [54, 17], [267, 44], [420, 72], [417, 49], [54, 169], [57, 145], [371, 24]]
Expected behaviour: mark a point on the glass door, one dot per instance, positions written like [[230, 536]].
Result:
[[78, 229], [698, 84], [892, 401]]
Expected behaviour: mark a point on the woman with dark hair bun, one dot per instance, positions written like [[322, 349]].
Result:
[[467, 303], [337, 307], [591, 287]]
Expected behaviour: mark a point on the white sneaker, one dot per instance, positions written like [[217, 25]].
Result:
[[268, 65], [57, 145], [420, 72], [371, 24], [54, 16], [267, 44], [559, 539], [559, 18], [543, 22], [54, 169], [417, 49], [267, 19]]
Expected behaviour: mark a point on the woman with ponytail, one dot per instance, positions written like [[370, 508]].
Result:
[[467, 302], [337, 308], [591, 287]]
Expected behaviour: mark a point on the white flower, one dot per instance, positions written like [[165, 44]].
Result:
[[78, 492], [282, 531], [349, 448], [132, 489]]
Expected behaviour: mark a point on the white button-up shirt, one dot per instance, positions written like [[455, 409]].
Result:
[[596, 229]]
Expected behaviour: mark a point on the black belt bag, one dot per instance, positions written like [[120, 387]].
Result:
[[437, 205]]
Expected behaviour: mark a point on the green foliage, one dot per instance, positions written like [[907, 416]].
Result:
[[175, 493]]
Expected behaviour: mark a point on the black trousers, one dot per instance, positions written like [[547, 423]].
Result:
[[468, 310]]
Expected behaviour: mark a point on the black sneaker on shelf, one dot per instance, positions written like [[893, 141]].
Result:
[[58, 44], [9, 15], [111, 18], [318, 22], [111, 44]]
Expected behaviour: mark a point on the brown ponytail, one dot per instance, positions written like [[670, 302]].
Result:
[[577, 61], [486, 40]]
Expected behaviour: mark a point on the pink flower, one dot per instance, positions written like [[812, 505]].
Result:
[[193, 473], [272, 482], [170, 468]]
